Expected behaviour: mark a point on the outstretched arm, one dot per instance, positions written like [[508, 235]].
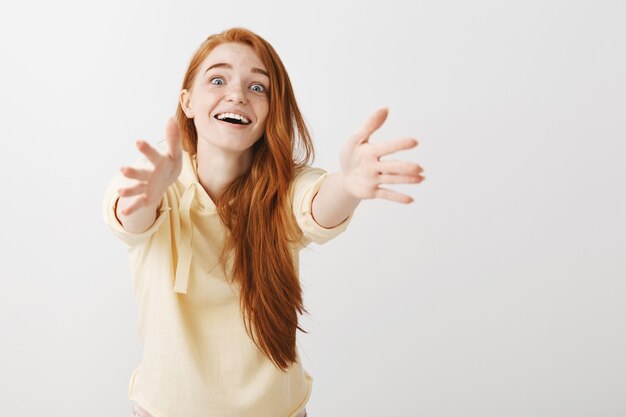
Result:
[[362, 172]]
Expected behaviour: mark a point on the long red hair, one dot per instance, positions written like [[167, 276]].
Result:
[[255, 209]]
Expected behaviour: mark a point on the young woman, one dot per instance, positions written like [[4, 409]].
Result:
[[213, 224]]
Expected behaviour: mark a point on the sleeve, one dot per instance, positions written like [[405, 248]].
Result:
[[305, 186], [109, 205]]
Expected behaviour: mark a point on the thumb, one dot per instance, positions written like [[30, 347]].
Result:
[[172, 135], [372, 124]]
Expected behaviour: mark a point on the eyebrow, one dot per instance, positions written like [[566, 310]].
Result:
[[225, 65]]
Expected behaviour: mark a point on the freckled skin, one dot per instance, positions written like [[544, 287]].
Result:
[[237, 89]]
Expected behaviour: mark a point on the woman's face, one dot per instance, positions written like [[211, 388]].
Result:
[[231, 82]]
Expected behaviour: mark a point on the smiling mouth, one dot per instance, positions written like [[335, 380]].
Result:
[[231, 120]]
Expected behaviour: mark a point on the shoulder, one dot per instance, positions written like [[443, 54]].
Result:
[[307, 180], [307, 173]]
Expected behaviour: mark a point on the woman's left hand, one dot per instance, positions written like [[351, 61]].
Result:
[[362, 170]]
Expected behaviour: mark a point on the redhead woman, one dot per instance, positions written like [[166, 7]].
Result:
[[213, 223]]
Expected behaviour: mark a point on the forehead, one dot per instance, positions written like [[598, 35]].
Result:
[[239, 55]]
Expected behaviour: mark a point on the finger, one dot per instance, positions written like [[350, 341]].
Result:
[[399, 168], [152, 154], [371, 125], [385, 148], [172, 134], [136, 173], [392, 195], [399, 179], [132, 190]]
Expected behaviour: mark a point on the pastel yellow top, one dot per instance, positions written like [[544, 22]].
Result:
[[198, 360]]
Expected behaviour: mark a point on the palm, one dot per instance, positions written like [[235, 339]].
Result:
[[353, 161], [364, 172], [151, 182]]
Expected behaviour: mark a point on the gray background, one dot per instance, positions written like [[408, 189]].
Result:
[[498, 292]]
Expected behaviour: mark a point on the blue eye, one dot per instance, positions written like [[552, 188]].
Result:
[[259, 88]]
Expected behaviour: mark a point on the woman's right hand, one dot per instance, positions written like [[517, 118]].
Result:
[[152, 182]]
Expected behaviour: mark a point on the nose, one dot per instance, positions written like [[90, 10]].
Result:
[[235, 94]]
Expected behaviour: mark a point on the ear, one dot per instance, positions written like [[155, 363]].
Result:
[[185, 100]]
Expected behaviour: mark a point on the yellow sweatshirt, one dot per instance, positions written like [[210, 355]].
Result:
[[198, 360]]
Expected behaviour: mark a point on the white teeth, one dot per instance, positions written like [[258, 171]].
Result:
[[223, 116]]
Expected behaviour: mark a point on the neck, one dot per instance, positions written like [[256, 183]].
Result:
[[217, 167]]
